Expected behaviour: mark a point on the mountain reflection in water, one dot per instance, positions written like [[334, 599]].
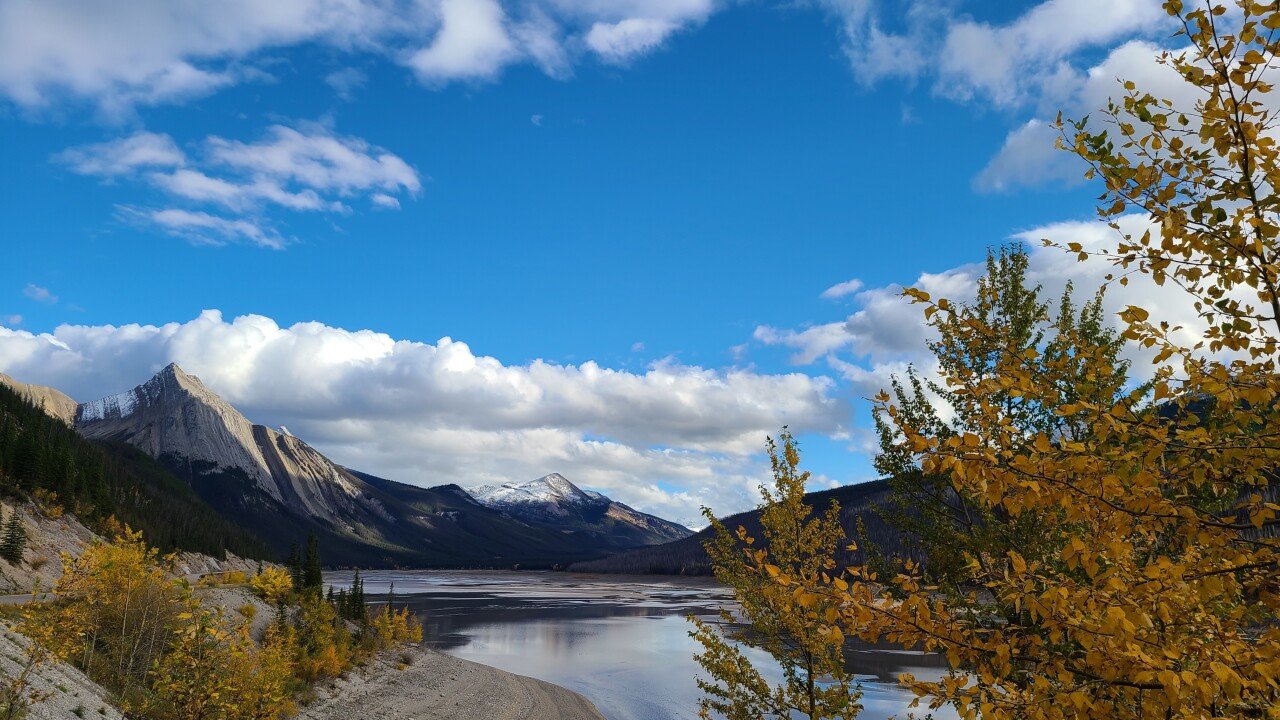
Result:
[[621, 641]]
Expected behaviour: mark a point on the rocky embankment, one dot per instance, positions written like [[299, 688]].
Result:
[[63, 692]]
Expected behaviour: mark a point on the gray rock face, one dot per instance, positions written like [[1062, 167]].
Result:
[[51, 401], [174, 414]]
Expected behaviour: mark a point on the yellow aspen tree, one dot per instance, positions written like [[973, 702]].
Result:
[[194, 680], [795, 548]]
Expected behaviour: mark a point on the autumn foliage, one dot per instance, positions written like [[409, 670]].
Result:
[[807, 647], [1121, 557], [124, 618]]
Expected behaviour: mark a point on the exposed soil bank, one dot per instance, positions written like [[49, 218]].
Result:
[[435, 686]]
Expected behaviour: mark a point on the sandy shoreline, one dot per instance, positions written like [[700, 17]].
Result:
[[438, 686]]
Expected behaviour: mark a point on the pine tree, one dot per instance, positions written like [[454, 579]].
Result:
[[356, 610], [343, 603], [312, 575], [15, 539], [295, 566]]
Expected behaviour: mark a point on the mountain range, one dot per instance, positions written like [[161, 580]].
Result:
[[554, 501], [281, 490]]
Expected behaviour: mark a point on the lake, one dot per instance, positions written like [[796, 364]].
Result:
[[621, 641]]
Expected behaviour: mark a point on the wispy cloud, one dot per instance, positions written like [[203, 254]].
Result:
[[39, 294], [303, 168], [844, 289]]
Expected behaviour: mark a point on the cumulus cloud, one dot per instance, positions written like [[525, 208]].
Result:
[[307, 168], [39, 294], [472, 43], [1028, 158], [431, 413], [886, 334]]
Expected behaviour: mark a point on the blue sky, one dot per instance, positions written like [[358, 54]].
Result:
[[662, 190]]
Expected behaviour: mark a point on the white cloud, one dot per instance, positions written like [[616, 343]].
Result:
[[39, 294], [13, 320], [385, 201], [877, 54], [536, 119], [810, 343], [146, 52], [1009, 64], [844, 289], [886, 333], [621, 41], [1038, 61], [346, 81], [123, 156], [303, 168], [1029, 158], [151, 51], [472, 43], [203, 228], [437, 412], [314, 157]]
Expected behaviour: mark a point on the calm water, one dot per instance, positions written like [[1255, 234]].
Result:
[[621, 641]]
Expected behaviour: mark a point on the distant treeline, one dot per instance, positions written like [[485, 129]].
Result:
[[861, 514], [42, 457]]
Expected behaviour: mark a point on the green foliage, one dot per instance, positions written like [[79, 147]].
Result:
[[940, 522], [14, 539], [350, 604], [312, 573]]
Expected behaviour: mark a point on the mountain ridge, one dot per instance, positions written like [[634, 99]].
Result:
[[554, 500], [275, 484]]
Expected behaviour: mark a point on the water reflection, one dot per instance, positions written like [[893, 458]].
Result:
[[620, 641]]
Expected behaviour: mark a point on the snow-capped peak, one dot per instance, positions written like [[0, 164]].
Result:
[[553, 489]]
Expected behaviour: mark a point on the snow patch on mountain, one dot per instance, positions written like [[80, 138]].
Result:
[[553, 489], [121, 405]]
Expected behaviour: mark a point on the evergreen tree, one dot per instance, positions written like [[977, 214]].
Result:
[[312, 576], [15, 539], [357, 609], [295, 566], [343, 603]]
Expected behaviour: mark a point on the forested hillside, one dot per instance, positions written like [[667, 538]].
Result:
[[42, 457], [860, 514]]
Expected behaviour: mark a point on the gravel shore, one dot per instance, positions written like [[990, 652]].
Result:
[[435, 686]]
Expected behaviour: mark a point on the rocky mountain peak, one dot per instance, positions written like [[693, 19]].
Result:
[[554, 489], [553, 499]]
